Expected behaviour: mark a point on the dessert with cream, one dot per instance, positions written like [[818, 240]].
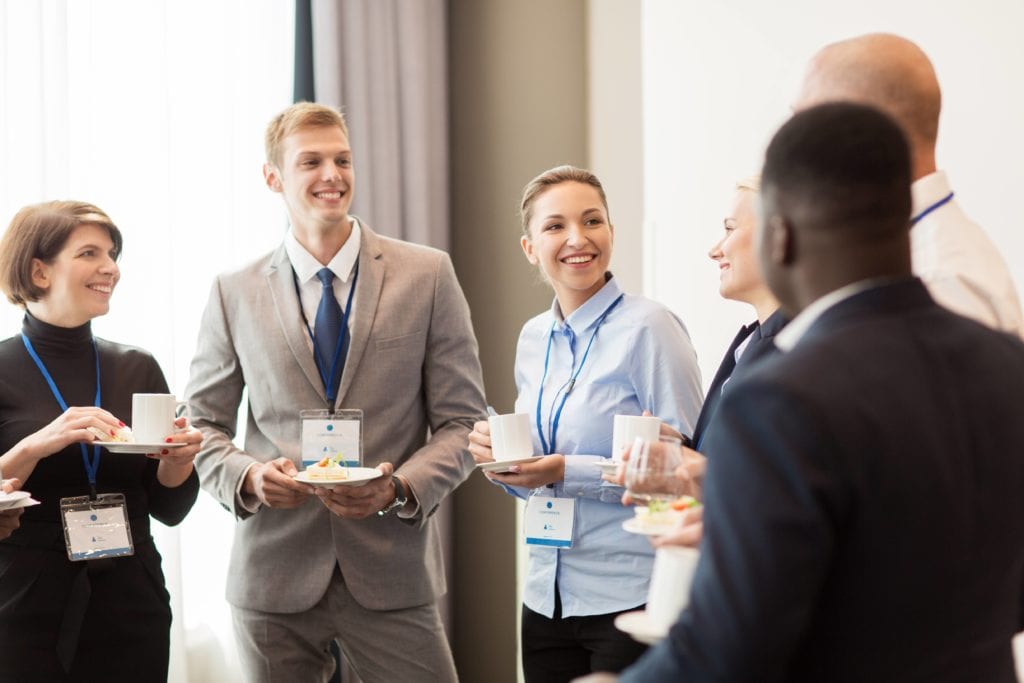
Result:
[[120, 435], [327, 469]]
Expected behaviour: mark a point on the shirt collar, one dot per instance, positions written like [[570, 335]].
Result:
[[797, 328], [306, 266], [927, 190], [587, 314]]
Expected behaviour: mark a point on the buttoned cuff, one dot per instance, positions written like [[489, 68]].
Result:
[[583, 479]]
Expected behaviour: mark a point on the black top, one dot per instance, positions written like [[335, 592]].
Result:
[[27, 405]]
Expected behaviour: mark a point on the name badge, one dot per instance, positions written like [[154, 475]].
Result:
[[95, 528], [549, 521], [334, 434]]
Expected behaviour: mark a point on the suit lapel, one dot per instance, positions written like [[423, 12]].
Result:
[[715, 390], [286, 305], [368, 288], [764, 343]]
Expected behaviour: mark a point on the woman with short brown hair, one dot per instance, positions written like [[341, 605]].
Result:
[[61, 389]]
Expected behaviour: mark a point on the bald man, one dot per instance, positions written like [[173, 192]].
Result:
[[954, 257]]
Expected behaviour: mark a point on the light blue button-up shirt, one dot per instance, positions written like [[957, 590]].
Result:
[[641, 359]]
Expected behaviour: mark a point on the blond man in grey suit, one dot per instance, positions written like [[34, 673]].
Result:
[[358, 564]]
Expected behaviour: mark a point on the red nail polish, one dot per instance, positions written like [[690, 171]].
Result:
[[120, 423], [164, 452], [168, 439], [113, 433]]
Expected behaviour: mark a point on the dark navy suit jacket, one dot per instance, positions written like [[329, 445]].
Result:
[[865, 507], [762, 344]]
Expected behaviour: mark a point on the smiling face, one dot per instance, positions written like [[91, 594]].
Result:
[[79, 281], [315, 177], [570, 240], [739, 271]]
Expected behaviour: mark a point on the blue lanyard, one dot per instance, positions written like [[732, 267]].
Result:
[[92, 466], [549, 444], [942, 202], [329, 389]]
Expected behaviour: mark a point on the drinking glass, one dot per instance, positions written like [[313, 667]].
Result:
[[651, 471]]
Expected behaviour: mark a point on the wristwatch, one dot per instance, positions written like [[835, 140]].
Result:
[[401, 498]]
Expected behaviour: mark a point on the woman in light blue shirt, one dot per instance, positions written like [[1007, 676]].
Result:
[[596, 353]]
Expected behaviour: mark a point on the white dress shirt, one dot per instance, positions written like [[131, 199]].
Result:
[[958, 263]]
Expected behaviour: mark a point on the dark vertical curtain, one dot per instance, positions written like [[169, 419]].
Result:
[[304, 90]]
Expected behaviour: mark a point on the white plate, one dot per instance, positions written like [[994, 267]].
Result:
[[609, 467], [124, 447], [634, 526], [16, 499], [501, 466], [639, 627], [357, 476]]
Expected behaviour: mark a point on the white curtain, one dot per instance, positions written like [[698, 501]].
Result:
[[154, 110]]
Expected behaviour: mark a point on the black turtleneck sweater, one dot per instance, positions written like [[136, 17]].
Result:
[[106, 619], [27, 405]]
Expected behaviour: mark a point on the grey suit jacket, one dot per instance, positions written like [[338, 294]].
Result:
[[412, 367]]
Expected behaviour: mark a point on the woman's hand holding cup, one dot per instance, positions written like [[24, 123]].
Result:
[[480, 442], [176, 463]]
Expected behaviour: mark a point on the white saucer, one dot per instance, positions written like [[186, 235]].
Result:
[[16, 499], [501, 466], [639, 627], [357, 476], [633, 526], [124, 447], [609, 467]]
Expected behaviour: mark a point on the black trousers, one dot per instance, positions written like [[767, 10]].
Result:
[[560, 649]]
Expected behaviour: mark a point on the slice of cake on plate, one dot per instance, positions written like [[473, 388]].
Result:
[[327, 469], [120, 435]]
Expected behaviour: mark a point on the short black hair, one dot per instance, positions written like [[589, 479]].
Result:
[[841, 166]]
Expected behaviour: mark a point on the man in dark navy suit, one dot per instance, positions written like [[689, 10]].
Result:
[[865, 516]]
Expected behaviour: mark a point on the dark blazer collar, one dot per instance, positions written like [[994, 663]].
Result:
[[891, 298], [773, 324], [725, 370]]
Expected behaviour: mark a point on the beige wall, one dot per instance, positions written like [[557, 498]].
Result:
[[518, 106]]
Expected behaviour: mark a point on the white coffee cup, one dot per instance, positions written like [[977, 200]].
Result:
[[153, 417], [627, 428], [670, 585], [510, 436]]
